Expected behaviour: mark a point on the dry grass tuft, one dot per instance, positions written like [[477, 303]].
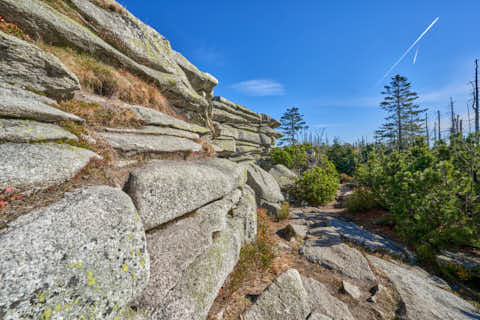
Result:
[[207, 149], [101, 116], [13, 29], [257, 256], [104, 80], [64, 8], [111, 6]]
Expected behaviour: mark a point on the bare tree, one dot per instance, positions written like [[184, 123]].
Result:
[[476, 103]]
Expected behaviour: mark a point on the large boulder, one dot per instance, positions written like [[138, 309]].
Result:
[[33, 167], [263, 184], [27, 65], [83, 257], [165, 190], [421, 297], [182, 251], [294, 297], [284, 176]]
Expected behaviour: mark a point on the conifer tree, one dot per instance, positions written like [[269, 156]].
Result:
[[292, 123], [404, 121]]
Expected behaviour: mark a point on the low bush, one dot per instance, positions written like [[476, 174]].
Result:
[[317, 186], [361, 200]]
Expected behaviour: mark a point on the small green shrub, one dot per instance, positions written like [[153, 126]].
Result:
[[284, 212], [293, 156], [361, 200], [317, 186]]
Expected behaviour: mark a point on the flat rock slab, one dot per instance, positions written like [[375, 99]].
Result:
[[284, 176], [336, 255], [24, 131], [27, 65], [31, 167], [422, 298], [293, 297], [19, 103], [153, 130], [83, 257], [165, 190], [154, 117], [263, 184], [149, 143], [371, 241]]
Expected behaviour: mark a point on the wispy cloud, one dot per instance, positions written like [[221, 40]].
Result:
[[260, 87], [442, 95], [209, 54]]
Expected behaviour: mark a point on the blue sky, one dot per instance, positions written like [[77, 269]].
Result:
[[325, 57]]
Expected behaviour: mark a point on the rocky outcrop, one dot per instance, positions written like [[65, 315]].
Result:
[[27, 65], [242, 132], [460, 261], [33, 167], [292, 296], [83, 257], [197, 215], [421, 297], [41, 21]]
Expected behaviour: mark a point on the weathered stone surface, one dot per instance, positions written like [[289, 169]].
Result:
[[19, 103], [176, 246], [465, 261], [371, 241], [421, 297], [153, 117], [273, 209], [38, 166], [154, 130], [292, 296], [244, 215], [200, 81], [284, 176], [82, 257], [165, 190], [43, 22], [24, 131], [149, 143], [330, 252], [300, 230], [351, 290], [263, 184], [227, 145], [27, 65], [243, 135]]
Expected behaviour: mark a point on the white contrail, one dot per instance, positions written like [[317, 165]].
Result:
[[409, 49], [415, 57]]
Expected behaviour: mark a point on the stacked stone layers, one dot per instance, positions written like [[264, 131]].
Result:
[[242, 134]]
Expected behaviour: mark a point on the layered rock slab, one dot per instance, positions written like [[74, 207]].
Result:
[[165, 190], [263, 184], [284, 176], [150, 143], [18, 103], [31, 167], [22, 131], [27, 65], [82, 257], [294, 297], [422, 298]]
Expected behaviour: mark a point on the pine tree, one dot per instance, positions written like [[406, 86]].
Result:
[[404, 121], [292, 122]]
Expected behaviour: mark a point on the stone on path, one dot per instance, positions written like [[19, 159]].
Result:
[[351, 290], [422, 298], [32, 167], [292, 296], [83, 257]]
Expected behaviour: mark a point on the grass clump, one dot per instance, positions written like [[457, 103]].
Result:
[[255, 257], [104, 80], [101, 116], [284, 213], [110, 5]]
